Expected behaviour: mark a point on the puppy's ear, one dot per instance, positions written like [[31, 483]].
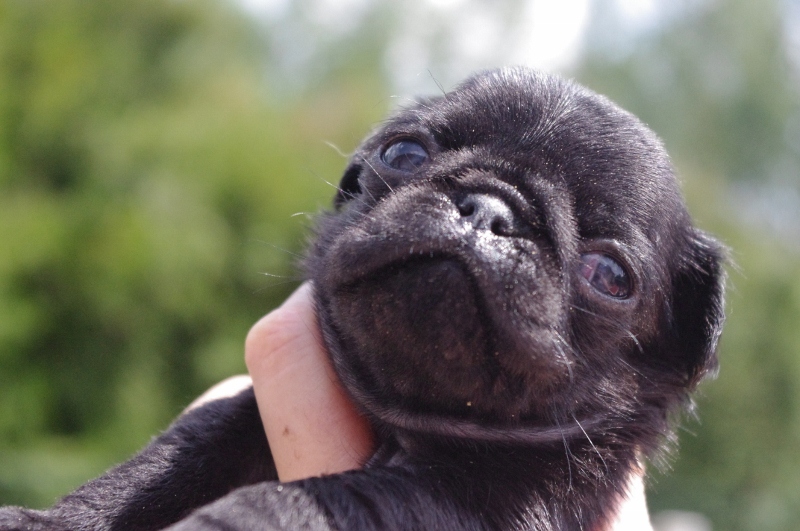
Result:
[[698, 308], [349, 187]]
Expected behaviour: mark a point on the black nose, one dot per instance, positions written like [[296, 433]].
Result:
[[487, 212]]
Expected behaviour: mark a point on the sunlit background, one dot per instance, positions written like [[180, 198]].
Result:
[[161, 161]]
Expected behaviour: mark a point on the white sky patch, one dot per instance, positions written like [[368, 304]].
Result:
[[265, 8], [477, 36], [549, 36], [445, 4], [408, 59], [639, 13], [791, 33], [544, 34], [638, 17], [443, 41], [338, 16]]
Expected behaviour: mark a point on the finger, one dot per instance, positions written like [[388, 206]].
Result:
[[311, 426]]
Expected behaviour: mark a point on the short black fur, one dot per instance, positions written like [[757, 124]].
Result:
[[508, 391]]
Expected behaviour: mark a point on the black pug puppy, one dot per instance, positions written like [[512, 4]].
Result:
[[511, 289]]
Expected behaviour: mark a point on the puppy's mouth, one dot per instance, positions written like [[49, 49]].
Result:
[[442, 315]]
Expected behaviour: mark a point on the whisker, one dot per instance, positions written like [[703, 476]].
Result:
[[592, 443], [568, 455], [630, 334], [607, 320], [287, 251], [323, 179], [336, 186], [366, 215], [411, 101], [610, 321], [584, 310], [368, 163], [439, 85], [273, 275], [634, 369], [370, 196], [563, 355], [358, 198], [636, 341], [336, 149]]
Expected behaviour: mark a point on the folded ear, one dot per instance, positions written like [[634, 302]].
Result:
[[698, 307], [349, 186]]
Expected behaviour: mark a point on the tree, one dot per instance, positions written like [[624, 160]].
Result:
[[718, 83], [147, 180]]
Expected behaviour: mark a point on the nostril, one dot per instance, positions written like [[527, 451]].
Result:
[[499, 227], [467, 207], [487, 212]]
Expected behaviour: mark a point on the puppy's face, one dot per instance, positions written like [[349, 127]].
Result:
[[512, 256]]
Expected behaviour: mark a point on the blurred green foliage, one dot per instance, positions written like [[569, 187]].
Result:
[[723, 92], [147, 180], [153, 155]]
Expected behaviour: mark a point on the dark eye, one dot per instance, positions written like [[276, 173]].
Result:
[[405, 155], [606, 275]]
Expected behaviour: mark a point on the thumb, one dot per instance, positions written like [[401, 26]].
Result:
[[311, 425]]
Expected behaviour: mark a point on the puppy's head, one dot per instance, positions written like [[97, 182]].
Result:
[[512, 260]]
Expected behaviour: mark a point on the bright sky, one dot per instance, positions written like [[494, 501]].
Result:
[[548, 34]]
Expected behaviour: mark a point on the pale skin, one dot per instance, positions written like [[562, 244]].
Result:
[[311, 425]]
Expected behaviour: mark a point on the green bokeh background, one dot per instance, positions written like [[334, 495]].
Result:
[[161, 161]]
